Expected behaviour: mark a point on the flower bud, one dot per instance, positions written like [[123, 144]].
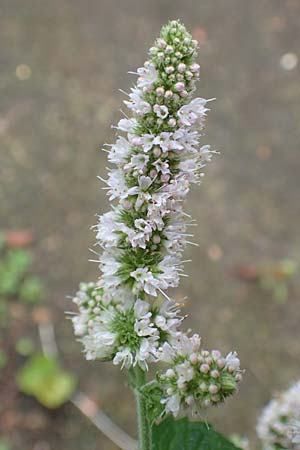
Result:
[[168, 94], [172, 122], [156, 239], [213, 388], [179, 86], [204, 368], [170, 373], [194, 68], [181, 67], [169, 69], [160, 91]]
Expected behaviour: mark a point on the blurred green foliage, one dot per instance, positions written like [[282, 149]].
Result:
[[275, 278], [4, 444], [13, 268], [31, 290], [15, 280], [24, 346], [43, 378], [3, 359]]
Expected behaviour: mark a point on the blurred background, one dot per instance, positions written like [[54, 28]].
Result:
[[62, 63]]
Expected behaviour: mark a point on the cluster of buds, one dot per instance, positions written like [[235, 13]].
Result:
[[196, 379], [279, 424]]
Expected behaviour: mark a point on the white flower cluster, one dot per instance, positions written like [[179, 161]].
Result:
[[279, 424], [196, 378], [143, 237], [128, 333], [125, 316]]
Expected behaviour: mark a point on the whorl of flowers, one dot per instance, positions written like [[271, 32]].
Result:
[[125, 316], [279, 424], [196, 379], [127, 333]]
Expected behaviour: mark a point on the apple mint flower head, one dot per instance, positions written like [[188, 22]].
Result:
[[155, 160], [196, 378], [128, 333], [279, 424]]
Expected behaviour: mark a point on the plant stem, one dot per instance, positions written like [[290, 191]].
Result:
[[143, 422]]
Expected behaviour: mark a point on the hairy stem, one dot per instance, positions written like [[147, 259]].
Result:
[[144, 427]]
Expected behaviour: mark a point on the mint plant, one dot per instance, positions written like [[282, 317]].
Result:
[[128, 316]]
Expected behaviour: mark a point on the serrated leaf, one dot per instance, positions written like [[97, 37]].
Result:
[[182, 434], [152, 394]]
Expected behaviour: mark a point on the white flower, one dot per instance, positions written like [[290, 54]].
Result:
[[294, 431], [117, 184], [106, 229], [206, 153], [232, 361], [119, 151], [173, 404], [109, 267], [169, 277], [277, 425], [193, 113], [139, 161], [141, 191], [189, 169], [147, 76], [137, 104], [144, 280], [147, 142], [162, 166], [124, 357], [161, 111], [187, 140], [80, 324], [166, 142], [127, 125]]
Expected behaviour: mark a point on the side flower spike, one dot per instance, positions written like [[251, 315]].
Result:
[[196, 378]]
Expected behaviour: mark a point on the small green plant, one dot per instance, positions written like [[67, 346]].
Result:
[[43, 378]]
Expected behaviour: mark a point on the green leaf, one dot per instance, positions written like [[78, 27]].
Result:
[[43, 378], [152, 394], [181, 434]]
